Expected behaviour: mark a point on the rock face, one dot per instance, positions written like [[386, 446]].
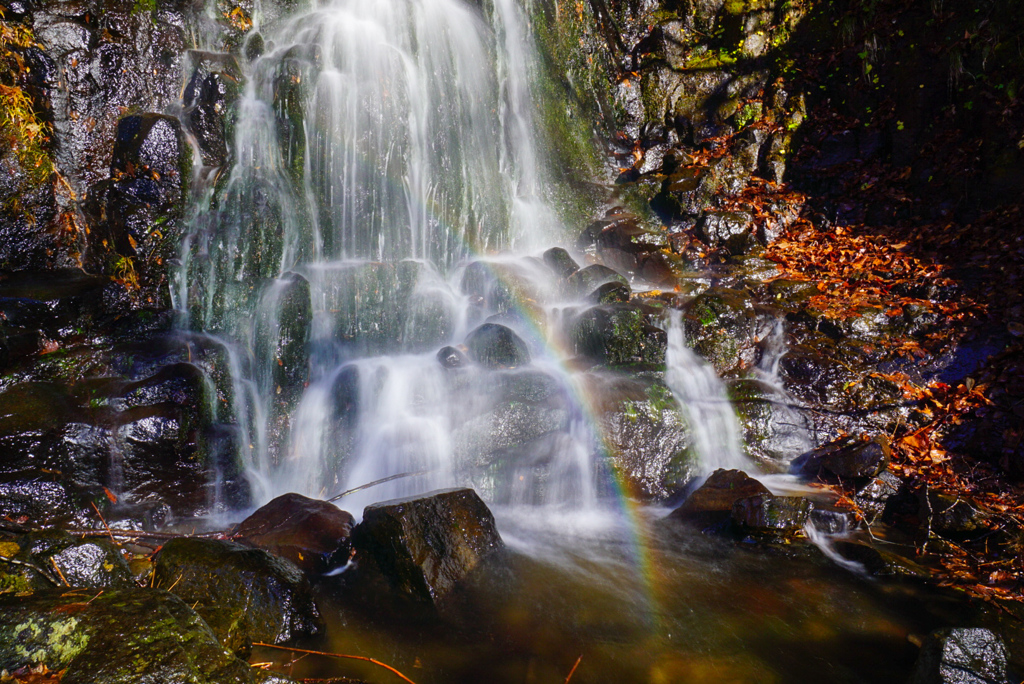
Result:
[[137, 636], [425, 545], [713, 501], [244, 594], [313, 534], [961, 656]]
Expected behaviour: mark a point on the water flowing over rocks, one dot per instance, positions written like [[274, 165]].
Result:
[[248, 248]]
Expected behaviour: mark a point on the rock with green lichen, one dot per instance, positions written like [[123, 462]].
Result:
[[137, 636], [244, 594], [618, 335]]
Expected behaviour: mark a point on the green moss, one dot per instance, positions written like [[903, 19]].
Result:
[[141, 6]]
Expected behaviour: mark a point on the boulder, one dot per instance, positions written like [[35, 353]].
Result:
[[850, 457], [713, 501], [588, 279], [610, 293], [961, 656], [768, 515], [88, 563], [560, 262], [452, 357], [948, 514], [618, 334], [425, 545], [493, 345], [244, 594], [313, 534], [725, 327], [128, 636], [879, 562], [873, 497]]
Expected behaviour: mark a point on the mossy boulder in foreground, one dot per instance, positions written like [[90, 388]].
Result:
[[141, 636], [244, 594]]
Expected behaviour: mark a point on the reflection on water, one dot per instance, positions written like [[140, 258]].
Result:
[[658, 605]]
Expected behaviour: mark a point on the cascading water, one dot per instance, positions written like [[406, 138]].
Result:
[[705, 402], [378, 146]]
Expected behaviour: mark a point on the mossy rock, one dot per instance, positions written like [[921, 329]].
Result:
[[244, 594], [130, 636], [618, 335]]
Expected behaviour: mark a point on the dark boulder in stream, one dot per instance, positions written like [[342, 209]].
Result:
[[425, 545], [313, 534], [713, 501], [136, 636], [961, 656], [244, 594]]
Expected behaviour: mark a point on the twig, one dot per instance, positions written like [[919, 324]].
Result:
[[95, 508], [336, 655], [59, 573], [573, 670], [31, 566], [377, 482]]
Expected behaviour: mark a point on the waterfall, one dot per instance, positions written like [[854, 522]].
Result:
[[379, 147], [705, 403]]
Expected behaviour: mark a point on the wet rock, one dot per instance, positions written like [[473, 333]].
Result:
[[209, 100], [729, 230], [961, 656], [622, 243], [425, 545], [948, 514], [493, 345], [618, 334], [313, 534], [610, 293], [150, 170], [879, 562], [452, 357], [379, 307], [850, 457], [88, 563], [138, 636], [724, 327], [644, 433], [152, 159], [774, 430], [588, 279], [713, 501], [768, 515], [559, 261], [873, 497], [244, 594]]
